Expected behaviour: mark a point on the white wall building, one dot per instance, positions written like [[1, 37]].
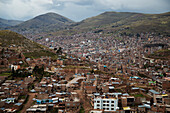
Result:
[[107, 104]]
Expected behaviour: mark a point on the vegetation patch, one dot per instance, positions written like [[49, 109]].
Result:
[[5, 74], [82, 110], [163, 54], [38, 54], [139, 95]]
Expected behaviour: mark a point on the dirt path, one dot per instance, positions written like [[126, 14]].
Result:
[[29, 102], [86, 105]]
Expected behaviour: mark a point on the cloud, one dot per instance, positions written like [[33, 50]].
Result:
[[77, 9], [146, 6], [23, 9]]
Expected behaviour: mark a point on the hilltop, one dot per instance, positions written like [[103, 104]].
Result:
[[13, 40], [49, 22]]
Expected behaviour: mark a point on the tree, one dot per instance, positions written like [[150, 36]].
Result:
[[35, 70], [2, 63], [55, 49], [92, 71], [138, 35], [2, 51], [13, 71], [59, 51], [20, 56]]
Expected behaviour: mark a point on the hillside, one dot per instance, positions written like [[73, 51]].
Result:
[[6, 23], [44, 23], [126, 22], [12, 40], [163, 54]]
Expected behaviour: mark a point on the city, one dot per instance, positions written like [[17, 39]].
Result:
[[115, 62]]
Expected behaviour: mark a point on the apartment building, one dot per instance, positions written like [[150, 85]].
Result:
[[107, 104]]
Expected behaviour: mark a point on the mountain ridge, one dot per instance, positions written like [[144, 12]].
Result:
[[132, 21], [6, 23], [122, 22]]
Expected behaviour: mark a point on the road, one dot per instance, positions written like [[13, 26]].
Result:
[[74, 80], [29, 102], [86, 104]]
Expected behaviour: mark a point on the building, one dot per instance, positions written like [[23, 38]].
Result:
[[107, 104], [163, 84]]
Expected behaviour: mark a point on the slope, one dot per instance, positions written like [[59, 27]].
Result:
[[13, 40]]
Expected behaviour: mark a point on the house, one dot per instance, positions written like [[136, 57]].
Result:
[[127, 101], [9, 100], [90, 89], [42, 108], [152, 93], [15, 67]]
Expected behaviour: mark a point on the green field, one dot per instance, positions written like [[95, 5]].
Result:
[[139, 95], [5, 74], [38, 54]]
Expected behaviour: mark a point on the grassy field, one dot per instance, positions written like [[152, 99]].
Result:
[[5, 74], [38, 54], [160, 54], [139, 95], [82, 110]]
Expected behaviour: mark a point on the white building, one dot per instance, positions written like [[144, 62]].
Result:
[[107, 104]]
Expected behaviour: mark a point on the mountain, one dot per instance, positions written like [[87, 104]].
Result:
[[13, 40], [6, 23], [108, 23], [3, 25], [103, 19], [126, 22], [44, 23]]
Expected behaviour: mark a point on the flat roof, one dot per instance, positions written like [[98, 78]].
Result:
[[154, 92]]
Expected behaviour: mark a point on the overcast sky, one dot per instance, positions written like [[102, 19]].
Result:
[[77, 10]]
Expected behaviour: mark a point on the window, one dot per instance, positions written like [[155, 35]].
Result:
[[107, 108], [113, 101], [112, 108], [98, 101], [98, 104]]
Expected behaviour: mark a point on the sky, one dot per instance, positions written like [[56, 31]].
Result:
[[77, 10]]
